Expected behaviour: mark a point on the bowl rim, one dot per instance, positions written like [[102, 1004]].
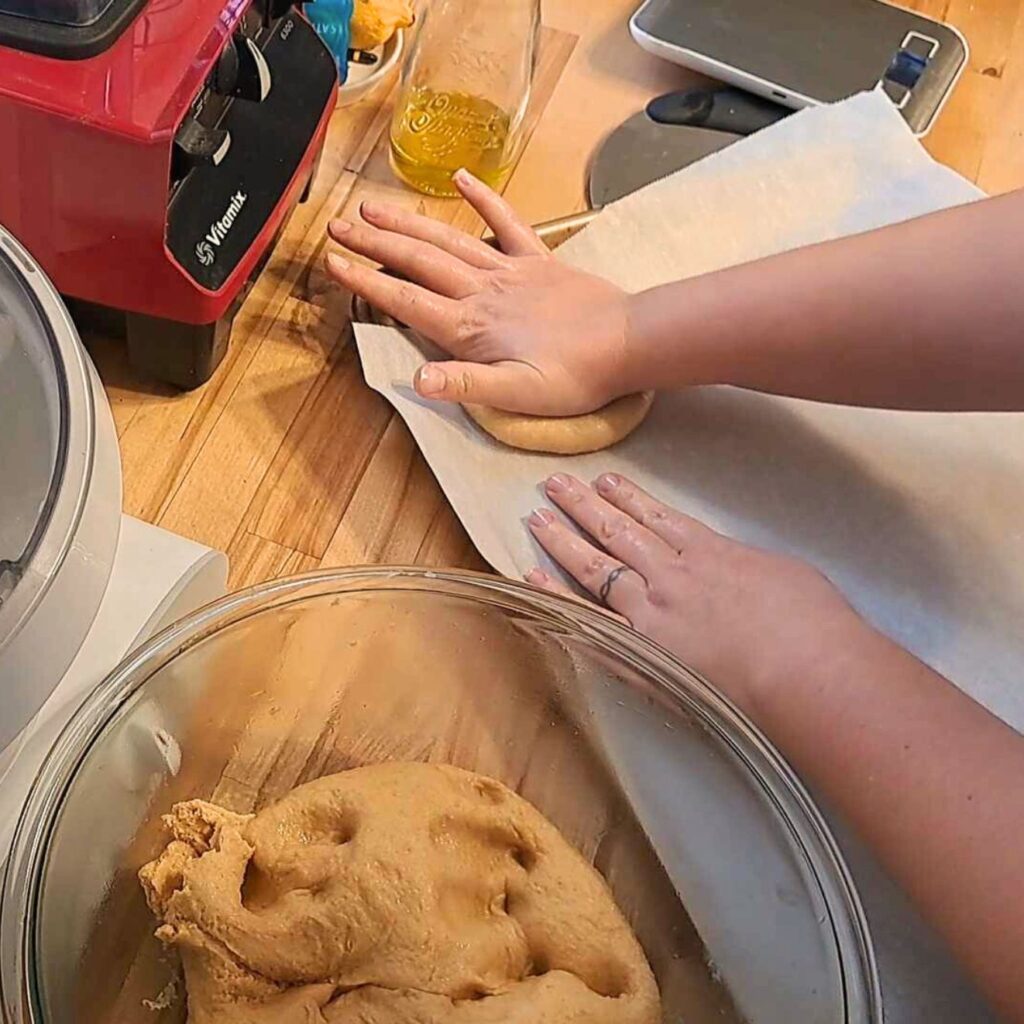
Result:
[[21, 891], [391, 52]]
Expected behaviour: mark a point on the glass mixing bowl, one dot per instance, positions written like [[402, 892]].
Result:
[[712, 848]]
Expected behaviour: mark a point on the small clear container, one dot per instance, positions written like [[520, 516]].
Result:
[[712, 848], [464, 92]]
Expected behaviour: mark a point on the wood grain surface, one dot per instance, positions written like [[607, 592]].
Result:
[[286, 459]]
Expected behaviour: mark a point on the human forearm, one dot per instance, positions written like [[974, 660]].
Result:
[[928, 314], [928, 778]]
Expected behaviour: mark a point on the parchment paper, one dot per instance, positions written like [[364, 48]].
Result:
[[916, 516]]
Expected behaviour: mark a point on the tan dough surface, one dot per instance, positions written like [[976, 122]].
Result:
[[393, 894], [566, 435]]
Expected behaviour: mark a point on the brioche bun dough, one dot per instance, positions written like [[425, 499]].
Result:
[[565, 435], [393, 894]]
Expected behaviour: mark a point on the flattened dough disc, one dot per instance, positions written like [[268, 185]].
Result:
[[565, 435]]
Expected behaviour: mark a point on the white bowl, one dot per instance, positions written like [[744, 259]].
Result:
[[363, 79]]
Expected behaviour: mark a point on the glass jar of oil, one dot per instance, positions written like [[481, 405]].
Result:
[[464, 92]]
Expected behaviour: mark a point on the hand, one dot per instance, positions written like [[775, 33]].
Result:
[[527, 333], [745, 618]]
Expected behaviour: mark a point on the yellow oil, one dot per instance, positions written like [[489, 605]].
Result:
[[435, 133]]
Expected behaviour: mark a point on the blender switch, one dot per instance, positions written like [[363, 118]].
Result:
[[224, 80], [195, 144], [253, 71]]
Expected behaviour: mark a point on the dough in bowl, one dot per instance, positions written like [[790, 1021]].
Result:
[[566, 435], [393, 894]]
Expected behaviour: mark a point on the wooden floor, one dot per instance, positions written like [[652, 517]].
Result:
[[286, 459]]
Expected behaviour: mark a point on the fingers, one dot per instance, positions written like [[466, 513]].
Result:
[[544, 581], [618, 533], [423, 310], [539, 578], [419, 261], [499, 385], [621, 588], [675, 528], [514, 236], [414, 225]]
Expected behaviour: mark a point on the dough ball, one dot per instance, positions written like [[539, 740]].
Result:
[[393, 894], [565, 435], [374, 22]]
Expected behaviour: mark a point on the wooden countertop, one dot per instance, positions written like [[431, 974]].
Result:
[[285, 459]]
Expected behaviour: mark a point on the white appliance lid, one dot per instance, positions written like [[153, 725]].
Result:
[[60, 489], [33, 404]]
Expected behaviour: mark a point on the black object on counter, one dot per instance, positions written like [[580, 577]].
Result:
[[674, 131]]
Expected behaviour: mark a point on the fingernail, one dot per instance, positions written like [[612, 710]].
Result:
[[369, 209], [463, 177], [336, 262], [607, 482], [557, 483], [431, 380], [340, 226], [537, 576], [541, 517]]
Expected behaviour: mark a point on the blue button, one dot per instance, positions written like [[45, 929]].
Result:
[[906, 69]]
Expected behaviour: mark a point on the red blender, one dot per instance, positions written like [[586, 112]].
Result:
[[152, 150]]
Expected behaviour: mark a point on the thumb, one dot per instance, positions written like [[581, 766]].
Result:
[[500, 385]]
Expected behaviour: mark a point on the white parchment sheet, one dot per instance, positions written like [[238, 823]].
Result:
[[916, 516]]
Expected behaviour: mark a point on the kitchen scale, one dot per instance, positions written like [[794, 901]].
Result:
[[777, 57], [80, 583]]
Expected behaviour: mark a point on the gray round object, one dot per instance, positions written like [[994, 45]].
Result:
[[641, 151]]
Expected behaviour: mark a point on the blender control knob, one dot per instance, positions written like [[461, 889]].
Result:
[[225, 73], [253, 82], [241, 71], [195, 144]]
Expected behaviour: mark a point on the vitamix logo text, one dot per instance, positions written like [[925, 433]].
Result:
[[206, 247]]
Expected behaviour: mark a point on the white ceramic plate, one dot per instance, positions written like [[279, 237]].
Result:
[[363, 79]]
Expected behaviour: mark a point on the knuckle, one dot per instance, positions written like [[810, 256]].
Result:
[[594, 568], [500, 282], [612, 527], [462, 382], [469, 324], [502, 260], [682, 567], [653, 518]]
